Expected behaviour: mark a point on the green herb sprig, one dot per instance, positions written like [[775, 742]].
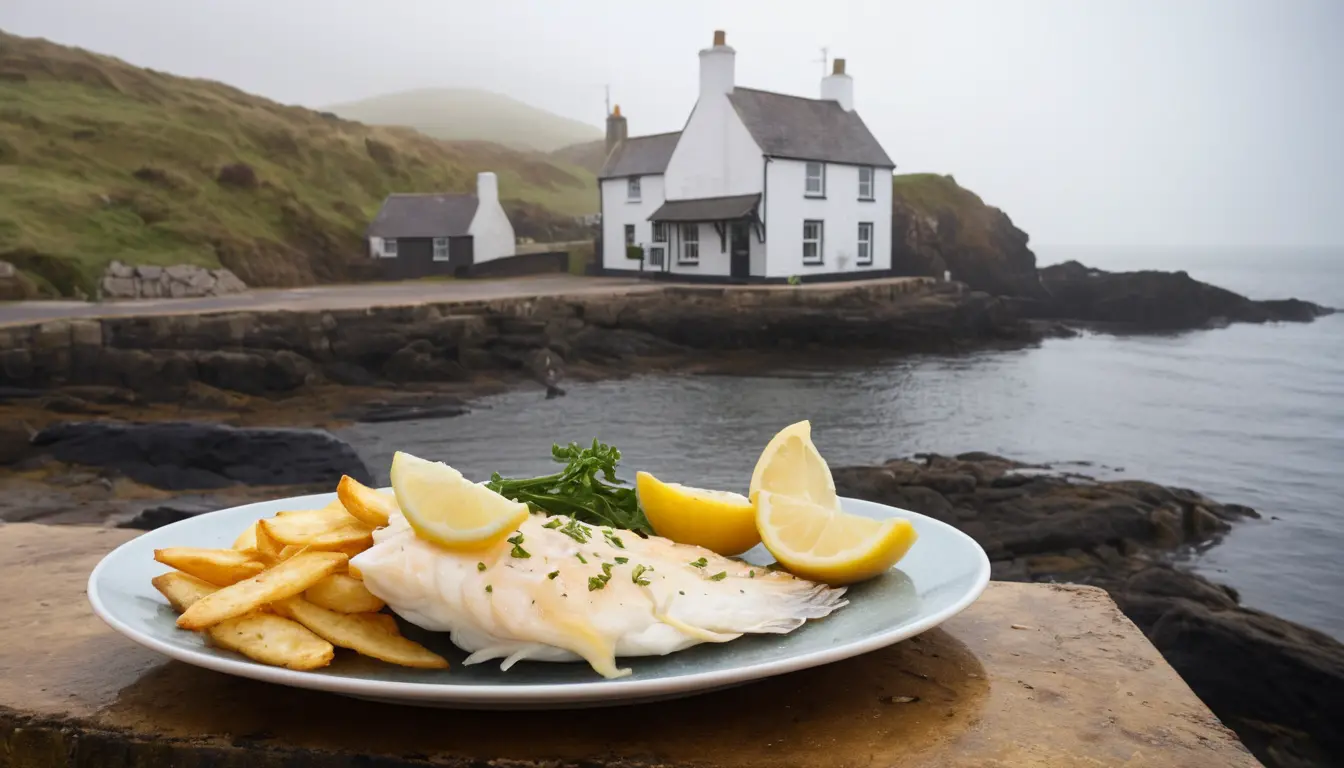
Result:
[[587, 489]]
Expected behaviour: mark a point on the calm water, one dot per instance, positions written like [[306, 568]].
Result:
[[1251, 414]]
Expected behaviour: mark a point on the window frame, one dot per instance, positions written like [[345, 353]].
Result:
[[634, 189], [435, 246], [860, 260], [658, 246], [689, 252], [872, 183], [388, 253], [819, 240], [807, 179], [629, 233]]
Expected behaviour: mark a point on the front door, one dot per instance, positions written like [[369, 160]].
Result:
[[740, 266]]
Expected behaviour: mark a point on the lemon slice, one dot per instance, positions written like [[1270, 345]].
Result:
[[447, 509], [824, 544], [720, 521], [790, 465]]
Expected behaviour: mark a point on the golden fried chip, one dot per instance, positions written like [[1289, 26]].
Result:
[[273, 640], [286, 579], [220, 567], [344, 594], [303, 527], [247, 540], [358, 537], [385, 621], [370, 506], [360, 633], [182, 589]]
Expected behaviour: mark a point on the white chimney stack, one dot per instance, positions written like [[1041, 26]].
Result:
[[838, 87], [487, 186], [717, 65]]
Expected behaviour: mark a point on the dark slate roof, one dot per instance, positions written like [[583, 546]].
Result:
[[707, 208], [640, 156], [423, 216], [807, 129]]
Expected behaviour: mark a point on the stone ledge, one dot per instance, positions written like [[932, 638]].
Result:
[[1043, 675]]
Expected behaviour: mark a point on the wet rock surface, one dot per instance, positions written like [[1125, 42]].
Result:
[[1278, 684]]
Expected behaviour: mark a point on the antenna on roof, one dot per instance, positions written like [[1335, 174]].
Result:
[[608, 87], [825, 70]]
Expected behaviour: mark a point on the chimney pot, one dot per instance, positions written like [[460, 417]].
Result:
[[720, 38], [839, 67], [616, 111]]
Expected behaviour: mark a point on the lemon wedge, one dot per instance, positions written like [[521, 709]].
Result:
[[719, 521], [790, 465], [827, 545], [447, 509]]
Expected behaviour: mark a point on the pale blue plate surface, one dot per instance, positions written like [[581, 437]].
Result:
[[943, 573]]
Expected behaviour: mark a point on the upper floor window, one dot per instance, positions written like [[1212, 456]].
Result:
[[816, 180], [629, 234], [865, 244], [440, 249], [690, 244], [389, 249], [866, 183], [632, 188], [812, 237]]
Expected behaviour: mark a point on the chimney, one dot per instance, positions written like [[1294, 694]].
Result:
[[617, 131], [717, 65], [487, 187], [838, 86]]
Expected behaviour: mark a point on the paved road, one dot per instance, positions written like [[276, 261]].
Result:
[[325, 297]]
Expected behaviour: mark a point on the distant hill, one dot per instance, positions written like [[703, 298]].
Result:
[[589, 155], [102, 160], [463, 113]]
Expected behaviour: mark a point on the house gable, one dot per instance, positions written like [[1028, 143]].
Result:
[[716, 156]]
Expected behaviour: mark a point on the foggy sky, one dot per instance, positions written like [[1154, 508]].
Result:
[[1108, 122]]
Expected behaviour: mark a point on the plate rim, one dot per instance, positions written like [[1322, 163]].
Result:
[[551, 693]]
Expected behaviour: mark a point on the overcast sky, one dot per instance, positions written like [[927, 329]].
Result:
[[1111, 122]]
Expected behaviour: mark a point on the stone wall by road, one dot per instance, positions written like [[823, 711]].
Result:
[[123, 281], [280, 351]]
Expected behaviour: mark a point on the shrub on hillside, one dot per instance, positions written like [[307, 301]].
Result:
[[239, 175]]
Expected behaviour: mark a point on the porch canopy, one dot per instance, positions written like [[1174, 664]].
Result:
[[713, 210]]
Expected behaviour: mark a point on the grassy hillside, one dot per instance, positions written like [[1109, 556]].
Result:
[[462, 113], [101, 160], [936, 196], [589, 155]]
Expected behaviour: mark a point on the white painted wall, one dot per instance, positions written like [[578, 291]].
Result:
[[716, 155], [491, 230], [618, 210], [375, 247], [713, 260], [841, 210]]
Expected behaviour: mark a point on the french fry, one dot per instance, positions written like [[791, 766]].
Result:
[[262, 637], [370, 506], [344, 594], [303, 527], [360, 633], [289, 551], [286, 579], [358, 536], [386, 622], [247, 540], [220, 567]]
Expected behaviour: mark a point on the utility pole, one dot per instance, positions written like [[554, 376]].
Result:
[[825, 70]]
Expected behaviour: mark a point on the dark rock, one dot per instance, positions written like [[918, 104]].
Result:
[[237, 371], [156, 517], [179, 456], [349, 374], [420, 361], [15, 441], [406, 409], [60, 402]]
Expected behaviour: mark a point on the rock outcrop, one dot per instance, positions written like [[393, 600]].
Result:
[[1278, 684], [123, 281], [184, 456]]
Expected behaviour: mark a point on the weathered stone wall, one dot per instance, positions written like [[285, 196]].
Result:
[[266, 352], [123, 281]]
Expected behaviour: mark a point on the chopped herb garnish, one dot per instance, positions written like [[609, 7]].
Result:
[[516, 538], [576, 531], [580, 556], [587, 488], [489, 588], [480, 566], [622, 560], [613, 539], [552, 575], [606, 570], [596, 582], [751, 574], [553, 524], [517, 542], [701, 563], [720, 576], [637, 576], [681, 592]]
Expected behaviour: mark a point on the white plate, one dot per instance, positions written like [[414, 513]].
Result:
[[942, 574]]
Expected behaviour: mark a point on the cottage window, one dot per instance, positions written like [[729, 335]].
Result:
[[690, 244], [390, 249], [865, 243], [865, 183], [629, 234], [660, 232], [812, 236], [632, 189], [659, 248], [440, 249], [816, 180]]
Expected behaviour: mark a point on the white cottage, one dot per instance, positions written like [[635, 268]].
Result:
[[758, 187]]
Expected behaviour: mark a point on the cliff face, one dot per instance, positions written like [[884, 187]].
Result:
[[937, 227]]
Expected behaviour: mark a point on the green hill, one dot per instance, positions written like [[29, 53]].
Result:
[[588, 155], [463, 113], [101, 160]]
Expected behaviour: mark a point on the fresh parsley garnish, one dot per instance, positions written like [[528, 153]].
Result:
[[596, 582], [637, 576], [586, 489], [606, 570], [552, 575], [701, 563], [720, 576], [480, 566], [613, 539], [553, 524], [489, 588], [580, 556], [751, 574], [517, 542], [622, 560]]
